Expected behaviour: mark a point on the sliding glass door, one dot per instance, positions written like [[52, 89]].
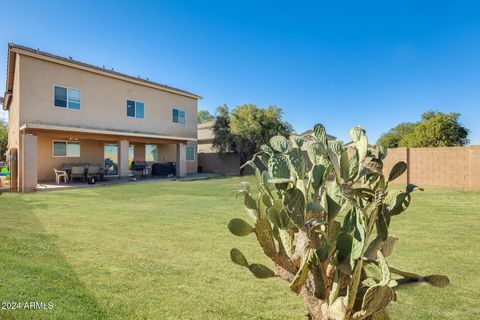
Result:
[[110, 156]]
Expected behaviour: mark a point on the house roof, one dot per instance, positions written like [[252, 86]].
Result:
[[15, 48], [205, 131]]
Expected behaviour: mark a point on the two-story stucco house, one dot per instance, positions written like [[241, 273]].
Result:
[[65, 111]]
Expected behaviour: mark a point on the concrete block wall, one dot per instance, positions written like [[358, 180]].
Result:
[[448, 167], [224, 164], [394, 156], [474, 167]]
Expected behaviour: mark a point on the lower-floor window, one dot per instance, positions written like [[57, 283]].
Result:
[[190, 153], [66, 149], [131, 153], [151, 152]]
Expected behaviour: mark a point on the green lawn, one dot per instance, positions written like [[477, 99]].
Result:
[[161, 251]]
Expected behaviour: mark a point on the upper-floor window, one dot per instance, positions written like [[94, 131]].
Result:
[[66, 149], [66, 97], [190, 153], [135, 109], [178, 116]]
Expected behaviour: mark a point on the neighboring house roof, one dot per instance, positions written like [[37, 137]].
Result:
[[15, 48], [205, 131]]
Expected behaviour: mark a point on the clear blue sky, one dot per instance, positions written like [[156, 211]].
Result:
[[375, 63]]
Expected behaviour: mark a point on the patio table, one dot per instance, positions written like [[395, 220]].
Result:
[[85, 171]]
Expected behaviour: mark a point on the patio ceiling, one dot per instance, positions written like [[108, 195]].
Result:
[[74, 133]]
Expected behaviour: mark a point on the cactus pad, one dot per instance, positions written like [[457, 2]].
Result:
[[239, 227], [355, 133], [297, 162], [279, 168], [376, 298], [279, 143], [320, 132], [294, 202], [398, 169], [296, 141]]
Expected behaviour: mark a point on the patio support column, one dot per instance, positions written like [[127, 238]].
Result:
[[181, 160], [123, 158], [29, 163]]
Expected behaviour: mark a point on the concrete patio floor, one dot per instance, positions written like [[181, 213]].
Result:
[[51, 185]]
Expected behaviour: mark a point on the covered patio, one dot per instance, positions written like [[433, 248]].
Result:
[[44, 148]]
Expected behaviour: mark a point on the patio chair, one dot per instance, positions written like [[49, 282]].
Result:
[[78, 172], [60, 174], [94, 172]]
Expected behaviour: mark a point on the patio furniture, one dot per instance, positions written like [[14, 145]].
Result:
[[110, 168], [78, 172], [60, 174], [67, 166], [139, 166], [94, 172], [163, 169]]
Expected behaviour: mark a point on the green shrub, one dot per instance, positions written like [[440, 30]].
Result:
[[323, 219]]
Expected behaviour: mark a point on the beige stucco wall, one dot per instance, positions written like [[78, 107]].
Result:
[[167, 153], [192, 166], [103, 101], [13, 112], [13, 127], [29, 162]]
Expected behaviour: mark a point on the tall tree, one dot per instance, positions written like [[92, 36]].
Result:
[[392, 138], [435, 129], [3, 139], [246, 128], [204, 116], [223, 139]]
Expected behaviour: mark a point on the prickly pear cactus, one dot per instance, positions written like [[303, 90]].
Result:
[[323, 217]]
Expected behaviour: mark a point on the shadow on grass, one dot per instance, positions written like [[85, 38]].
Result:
[[33, 269]]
